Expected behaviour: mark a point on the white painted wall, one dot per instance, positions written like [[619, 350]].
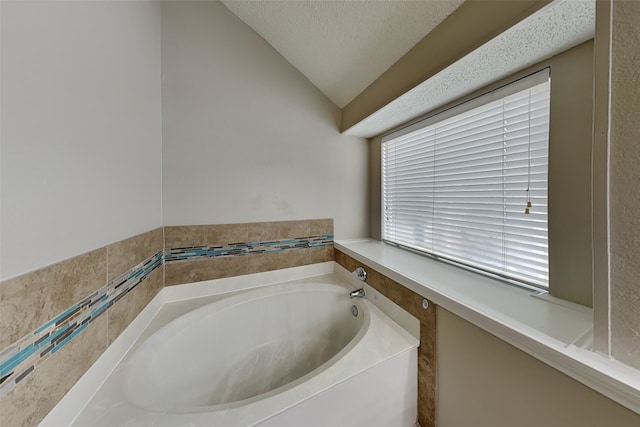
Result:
[[81, 128], [246, 136]]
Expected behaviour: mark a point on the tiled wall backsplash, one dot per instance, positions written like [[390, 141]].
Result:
[[21, 358], [245, 248], [55, 322], [42, 314]]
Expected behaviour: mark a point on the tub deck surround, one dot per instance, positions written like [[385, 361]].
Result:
[[553, 331], [412, 303], [387, 381], [39, 365], [204, 252]]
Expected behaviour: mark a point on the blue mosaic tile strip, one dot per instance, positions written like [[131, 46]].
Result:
[[245, 248], [23, 357]]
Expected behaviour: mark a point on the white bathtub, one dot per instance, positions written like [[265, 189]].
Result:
[[281, 355]]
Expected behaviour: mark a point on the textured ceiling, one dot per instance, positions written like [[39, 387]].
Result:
[[553, 29], [342, 46]]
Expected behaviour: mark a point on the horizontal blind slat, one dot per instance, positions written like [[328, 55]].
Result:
[[457, 188]]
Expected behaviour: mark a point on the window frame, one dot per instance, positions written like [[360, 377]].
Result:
[[570, 175]]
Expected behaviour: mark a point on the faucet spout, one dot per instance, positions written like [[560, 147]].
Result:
[[358, 293]]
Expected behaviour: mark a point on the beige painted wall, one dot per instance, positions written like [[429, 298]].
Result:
[[375, 188], [570, 143], [569, 171], [246, 137], [485, 382], [625, 183]]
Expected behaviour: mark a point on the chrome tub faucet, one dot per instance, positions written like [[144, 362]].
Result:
[[360, 273], [359, 293]]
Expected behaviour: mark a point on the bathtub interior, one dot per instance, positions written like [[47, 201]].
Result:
[[272, 341], [374, 356], [178, 304]]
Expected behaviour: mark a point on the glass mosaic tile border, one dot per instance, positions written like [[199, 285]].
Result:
[[192, 253], [24, 356]]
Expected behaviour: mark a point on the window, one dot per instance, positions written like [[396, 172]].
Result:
[[469, 185]]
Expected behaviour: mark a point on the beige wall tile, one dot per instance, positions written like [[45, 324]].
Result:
[[206, 269], [201, 235], [321, 254], [290, 229], [30, 300], [264, 231], [32, 399], [122, 313], [277, 260], [427, 369], [320, 226], [127, 253]]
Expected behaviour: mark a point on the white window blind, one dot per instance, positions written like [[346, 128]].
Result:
[[456, 185]]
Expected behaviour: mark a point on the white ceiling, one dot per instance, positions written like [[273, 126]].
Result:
[[342, 46]]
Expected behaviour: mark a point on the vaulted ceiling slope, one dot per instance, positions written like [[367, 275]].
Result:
[[342, 46]]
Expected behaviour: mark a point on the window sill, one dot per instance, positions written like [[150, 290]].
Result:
[[554, 331]]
